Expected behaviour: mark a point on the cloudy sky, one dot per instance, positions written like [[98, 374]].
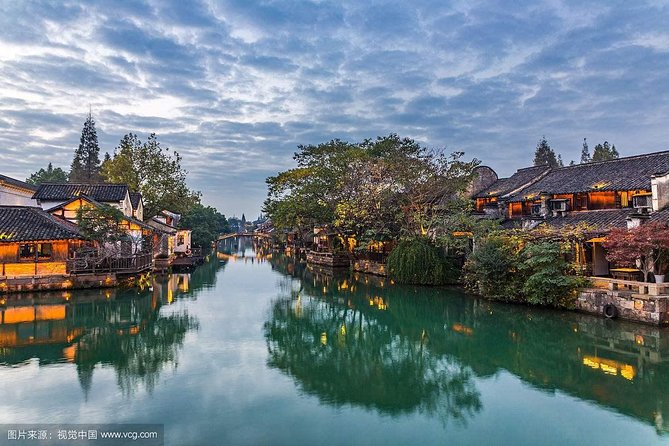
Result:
[[236, 85]]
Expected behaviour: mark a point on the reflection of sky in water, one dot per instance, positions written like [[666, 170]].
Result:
[[220, 390]]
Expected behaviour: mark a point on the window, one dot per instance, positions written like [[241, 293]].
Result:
[[44, 250], [27, 252], [180, 240]]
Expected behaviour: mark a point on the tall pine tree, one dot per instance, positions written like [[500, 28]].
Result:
[[85, 166], [544, 155], [585, 152]]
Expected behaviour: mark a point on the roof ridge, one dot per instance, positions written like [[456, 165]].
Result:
[[67, 183], [623, 158]]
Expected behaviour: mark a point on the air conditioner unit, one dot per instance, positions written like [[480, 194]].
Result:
[[536, 210], [559, 205], [643, 203]]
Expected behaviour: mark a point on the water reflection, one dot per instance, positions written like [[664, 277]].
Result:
[[353, 339], [344, 349], [137, 333]]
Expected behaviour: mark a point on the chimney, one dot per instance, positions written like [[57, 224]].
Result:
[[659, 186]]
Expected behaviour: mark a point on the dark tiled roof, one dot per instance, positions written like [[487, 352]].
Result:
[[660, 216], [65, 191], [630, 173], [17, 183], [97, 204], [521, 178], [23, 224], [154, 223], [601, 220], [135, 198]]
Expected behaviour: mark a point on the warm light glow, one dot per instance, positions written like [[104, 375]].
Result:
[[50, 312], [610, 367], [70, 353], [324, 338], [601, 184], [459, 328]]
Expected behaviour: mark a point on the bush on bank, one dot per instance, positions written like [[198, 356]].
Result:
[[510, 269]]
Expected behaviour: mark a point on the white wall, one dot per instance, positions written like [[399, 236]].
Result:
[[14, 197]]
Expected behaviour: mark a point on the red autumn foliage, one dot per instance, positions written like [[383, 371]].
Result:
[[645, 243]]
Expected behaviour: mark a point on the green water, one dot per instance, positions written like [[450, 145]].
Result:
[[248, 350]]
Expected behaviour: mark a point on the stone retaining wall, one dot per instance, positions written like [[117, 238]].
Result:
[[369, 267], [631, 306], [65, 282]]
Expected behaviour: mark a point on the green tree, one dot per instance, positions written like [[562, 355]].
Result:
[[549, 281], [206, 223], [154, 171], [605, 152], [104, 225], [544, 155], [585, 152], [48, 175], [85, 166], [418, 261], [376, 189]]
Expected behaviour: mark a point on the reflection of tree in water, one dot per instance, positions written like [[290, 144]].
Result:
[[618, 365], [343, 354], [138, 354]]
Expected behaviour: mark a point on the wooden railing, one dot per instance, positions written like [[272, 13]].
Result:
[[123, 265], [651, 289]]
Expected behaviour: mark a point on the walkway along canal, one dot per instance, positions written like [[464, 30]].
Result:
[[257, 349]]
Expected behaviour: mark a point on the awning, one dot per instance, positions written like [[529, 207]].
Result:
[[596, 240]]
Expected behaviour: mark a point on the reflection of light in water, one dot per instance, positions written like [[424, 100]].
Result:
[[459, 328], [610, 367]]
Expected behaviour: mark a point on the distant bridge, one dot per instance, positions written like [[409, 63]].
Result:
[[242, 234]]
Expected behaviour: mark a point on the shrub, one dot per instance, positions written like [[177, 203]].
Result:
[[548, 281], [419, 262], [506, 268], [492, 269]]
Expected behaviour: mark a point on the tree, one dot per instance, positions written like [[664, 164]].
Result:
[[206, 223], [377, 189], [417, 261], [103, 225], [605, 152], [154, 171], [544, 155], [643, 246], [86, 163], [50, 175], [585, 152]]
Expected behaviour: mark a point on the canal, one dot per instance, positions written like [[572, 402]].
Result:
[[258, 349]]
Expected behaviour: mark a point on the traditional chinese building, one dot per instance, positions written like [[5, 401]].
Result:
[[623, 192], [35, 243], [50, 195]]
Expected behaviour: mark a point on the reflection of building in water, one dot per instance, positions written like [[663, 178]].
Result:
[[87, 328], [167, 288]]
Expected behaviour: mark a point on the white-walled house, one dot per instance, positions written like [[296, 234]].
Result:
[[50, 195], [16, 193]]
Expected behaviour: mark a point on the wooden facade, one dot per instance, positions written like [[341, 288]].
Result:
[[43, 258]]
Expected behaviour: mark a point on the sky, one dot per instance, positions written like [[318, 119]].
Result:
[[235, 85]]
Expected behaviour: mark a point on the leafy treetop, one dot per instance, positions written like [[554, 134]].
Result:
[[48, 175]]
